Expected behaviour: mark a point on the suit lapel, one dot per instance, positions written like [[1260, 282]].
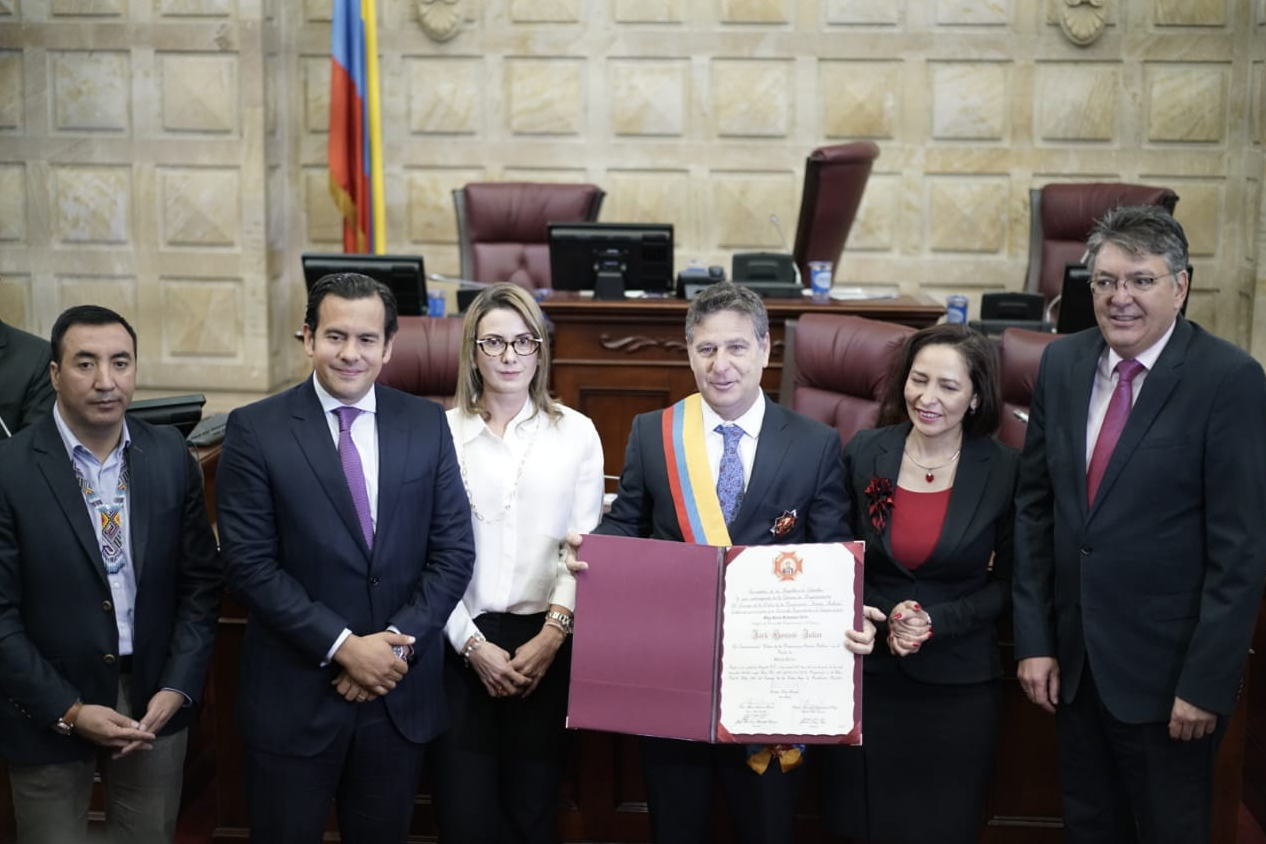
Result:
[[393, 439], [54, 465], [1081, 382], [888, 465], [312, 432], [1155, 392], [965, 495], [771, 453], [140, 499]]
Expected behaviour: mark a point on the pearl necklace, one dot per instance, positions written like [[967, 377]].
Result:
[[514, 490], [929, 470]]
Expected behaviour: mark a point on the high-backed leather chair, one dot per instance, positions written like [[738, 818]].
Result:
[[1019, 354], [501, 229], [424, 357], [842, 365], [1060, 219], [834, 181]]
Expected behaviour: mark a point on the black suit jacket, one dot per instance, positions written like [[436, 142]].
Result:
[[58, 636], [1157, 584], [26, 391], [955, 585], [297, 559], [797, 468]]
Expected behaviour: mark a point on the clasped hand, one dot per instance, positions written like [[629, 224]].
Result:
[[370, 666], [909, 626]]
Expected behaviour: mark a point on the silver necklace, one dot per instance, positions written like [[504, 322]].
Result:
[[514, 490], [929, 471]]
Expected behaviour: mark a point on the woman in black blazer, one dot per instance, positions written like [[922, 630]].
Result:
[[932, 495]]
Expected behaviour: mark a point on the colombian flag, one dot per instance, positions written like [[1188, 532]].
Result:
[[355, 135]]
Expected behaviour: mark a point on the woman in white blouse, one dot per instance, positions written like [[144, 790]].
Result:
[[532, 470]]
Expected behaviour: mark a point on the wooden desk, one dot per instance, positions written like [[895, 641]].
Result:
[[614, 360]]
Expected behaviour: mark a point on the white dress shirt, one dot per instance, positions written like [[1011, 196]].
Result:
[[1106, 378], [550, 476], [750, 422]]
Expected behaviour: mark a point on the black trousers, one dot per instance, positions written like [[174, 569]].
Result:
[[680, 776], [1131, 783], [370, 774], [497, 769]]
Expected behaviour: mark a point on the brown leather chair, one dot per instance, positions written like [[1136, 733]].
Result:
[[834, 181], [841, 366], [1019, 354], [1060, 219], [424, 357], [501, 229]]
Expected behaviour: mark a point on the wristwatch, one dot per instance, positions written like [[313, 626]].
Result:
[[66, 724], [563, 619]]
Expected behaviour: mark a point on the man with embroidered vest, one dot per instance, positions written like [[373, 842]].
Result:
[[779, 480], [109, 590], [347, 536], [1140, 542]]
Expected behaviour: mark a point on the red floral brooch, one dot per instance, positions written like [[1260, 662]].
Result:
[[879, 493]]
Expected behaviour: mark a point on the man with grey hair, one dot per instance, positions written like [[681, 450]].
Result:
[[785, 480], [1140, 547]]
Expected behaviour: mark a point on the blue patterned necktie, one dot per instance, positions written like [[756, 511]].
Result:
[[730, 478]]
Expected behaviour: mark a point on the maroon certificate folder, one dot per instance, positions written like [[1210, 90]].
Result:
[[647, 654]]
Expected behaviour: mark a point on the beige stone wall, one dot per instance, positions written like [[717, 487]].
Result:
[[168, 155]]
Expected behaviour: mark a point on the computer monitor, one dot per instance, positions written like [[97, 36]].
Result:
[[585, 256], [184, 412], [404, 274], [1076, 302]]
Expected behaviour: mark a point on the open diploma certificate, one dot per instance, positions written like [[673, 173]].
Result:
[[744, 644]]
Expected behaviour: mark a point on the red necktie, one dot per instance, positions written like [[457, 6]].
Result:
[[1113, 424]]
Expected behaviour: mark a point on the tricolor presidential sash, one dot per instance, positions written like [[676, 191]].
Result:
[[689, 478]]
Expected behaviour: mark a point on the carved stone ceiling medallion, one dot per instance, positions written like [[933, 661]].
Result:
[[441, 20]]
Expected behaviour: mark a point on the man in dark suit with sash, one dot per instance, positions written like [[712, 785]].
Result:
[[1140, 542], [726, 466]]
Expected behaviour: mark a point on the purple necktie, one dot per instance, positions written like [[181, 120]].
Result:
[[353, 471], [1113, 423], [730, 478]]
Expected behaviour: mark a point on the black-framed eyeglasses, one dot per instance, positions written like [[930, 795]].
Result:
[[494, 346], [1106, 285]]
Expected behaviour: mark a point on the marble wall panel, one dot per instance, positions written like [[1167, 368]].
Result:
[[92, 204], [199, 207], [12, 202], [865, 12], [1077, 101], [973, 12], [755, 11], [11, 88], [546, 96], [324, 223], [752, 97], [648, 96], [430, 214], [967, 214], [88, 8], [315, 72], [117, 293], [1199, 210], [15, 301], [649, 11], [650, 196], [1256, 100], [91, 90], [8, 8], [1190, 12], [539, 174], [860, 99], [545, 11], [199, 92], [875, 226], [741, 203], [969, 100], [1186, 102], [197, 8], [202, 318], [445, 94], [318, 11]]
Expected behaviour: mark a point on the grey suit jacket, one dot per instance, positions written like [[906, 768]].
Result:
[[1157, 584]]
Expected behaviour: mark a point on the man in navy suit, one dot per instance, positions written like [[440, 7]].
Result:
[[791, 490], [346, 533], [26, 393], [1140, 542], [109, 591]]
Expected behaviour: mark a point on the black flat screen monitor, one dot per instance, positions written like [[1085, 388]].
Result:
[[1076, 302], [404, 274], [640, 255], [182, 411]]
